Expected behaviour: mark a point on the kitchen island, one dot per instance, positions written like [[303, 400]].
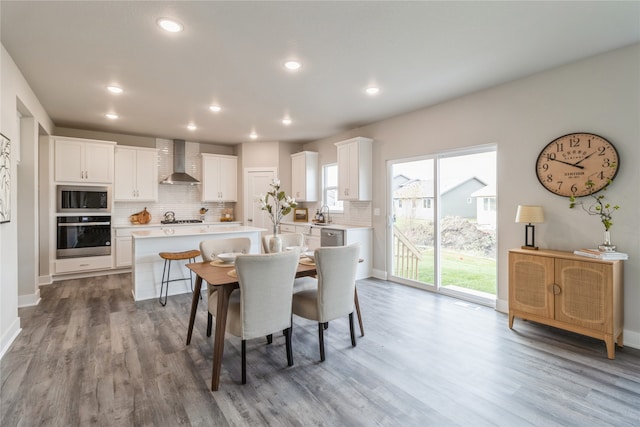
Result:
[[147, 244]]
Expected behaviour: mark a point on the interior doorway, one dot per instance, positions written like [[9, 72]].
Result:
[[442, 225], [256, 182]]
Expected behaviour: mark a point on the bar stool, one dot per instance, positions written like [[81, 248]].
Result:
[[166, 271]]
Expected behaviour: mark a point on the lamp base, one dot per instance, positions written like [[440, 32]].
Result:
[[531, 248]]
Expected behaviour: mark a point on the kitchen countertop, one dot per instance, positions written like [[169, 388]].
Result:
[[194, 230], [331, 226], [158, 224]]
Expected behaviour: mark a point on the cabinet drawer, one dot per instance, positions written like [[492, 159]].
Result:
[[284, 228], [83, 264]]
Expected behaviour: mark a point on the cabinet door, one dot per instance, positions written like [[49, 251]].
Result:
[[346, 172], [531, 280], [123, 251], [584, 297], [146, 175], [98, 160], [228, 182], [298, 183], [124, 182], [69, 164], [209, 184]]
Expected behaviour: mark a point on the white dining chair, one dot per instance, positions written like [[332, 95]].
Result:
[[263, 305], [210, 249], [333, 294]]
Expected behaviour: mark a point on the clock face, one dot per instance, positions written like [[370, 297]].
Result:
[[567, 163]]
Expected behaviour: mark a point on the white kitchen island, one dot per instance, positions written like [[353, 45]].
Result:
[[147, 244]]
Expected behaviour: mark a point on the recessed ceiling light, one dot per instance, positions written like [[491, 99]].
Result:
[[191, 126], [286, 121], [372, 90], [111, 116], [215, 108], [292, 65], [253, 135], [114, 89], [170, 25]]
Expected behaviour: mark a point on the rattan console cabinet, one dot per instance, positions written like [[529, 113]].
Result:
[[568, 291]]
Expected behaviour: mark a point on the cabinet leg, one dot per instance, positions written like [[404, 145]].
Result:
[[620, 341], [511, 317], [611, 348]]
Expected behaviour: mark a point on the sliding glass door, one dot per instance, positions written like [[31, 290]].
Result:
[[442, 225]]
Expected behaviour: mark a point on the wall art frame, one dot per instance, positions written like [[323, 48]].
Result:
[[5, 179]]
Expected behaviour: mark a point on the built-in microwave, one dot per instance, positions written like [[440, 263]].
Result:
[[81, 198]]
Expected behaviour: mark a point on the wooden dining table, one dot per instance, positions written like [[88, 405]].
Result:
[[225, 283]]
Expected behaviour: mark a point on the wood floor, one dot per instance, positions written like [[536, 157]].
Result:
[[89, 355]]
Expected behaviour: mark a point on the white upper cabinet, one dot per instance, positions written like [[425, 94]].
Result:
[[219, 178], [83, 160], [355, 169], [136, 177], [304, 176]]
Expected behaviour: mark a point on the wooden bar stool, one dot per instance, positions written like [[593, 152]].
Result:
[[166, 271]]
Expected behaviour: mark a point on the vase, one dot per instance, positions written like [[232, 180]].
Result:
[[606, 246], [275, 242]]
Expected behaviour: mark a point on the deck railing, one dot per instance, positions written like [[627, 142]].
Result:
[[406, 256]]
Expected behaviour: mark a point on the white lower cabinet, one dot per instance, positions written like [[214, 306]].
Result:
[[73, 265], [123, 251]]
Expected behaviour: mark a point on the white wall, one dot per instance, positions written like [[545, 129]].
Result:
[[15, 92], [599, 95]]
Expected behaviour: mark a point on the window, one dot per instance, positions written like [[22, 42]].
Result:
[[330, 187]]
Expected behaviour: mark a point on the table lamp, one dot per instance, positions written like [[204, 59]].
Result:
[[529, 215]]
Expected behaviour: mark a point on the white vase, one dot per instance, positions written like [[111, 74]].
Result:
[[275, 244], [606, 246]]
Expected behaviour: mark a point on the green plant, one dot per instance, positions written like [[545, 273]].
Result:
[[599, 207], [276, 203]]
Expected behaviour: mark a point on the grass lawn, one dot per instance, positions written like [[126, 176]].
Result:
[[465, 271]]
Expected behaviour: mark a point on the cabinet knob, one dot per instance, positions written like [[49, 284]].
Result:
[[556, 289]]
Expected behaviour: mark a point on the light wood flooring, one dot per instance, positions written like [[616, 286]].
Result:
[[89, 355]]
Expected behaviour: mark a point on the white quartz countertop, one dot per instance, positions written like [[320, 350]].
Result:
[[331, 226], [158, 224], [193, 230]]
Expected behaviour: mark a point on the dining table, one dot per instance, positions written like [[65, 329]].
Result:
[[225, 282]]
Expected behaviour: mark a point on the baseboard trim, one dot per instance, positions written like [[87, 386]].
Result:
[[379, 274], [45, 280], [502, 306], [29, 300], [10, 336]]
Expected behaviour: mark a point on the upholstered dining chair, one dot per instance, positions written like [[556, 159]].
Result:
[[288, 239], [210, 249], [263, 305], [333, 297]]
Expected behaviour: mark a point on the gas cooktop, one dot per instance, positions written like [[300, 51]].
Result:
[[182, 221]]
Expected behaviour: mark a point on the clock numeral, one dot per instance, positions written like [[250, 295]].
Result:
[[551, 156], [574, 142], [560, 184], [559, 147], [574, 189], [545, 167], [549, 178], [601, 151], [606, 162]]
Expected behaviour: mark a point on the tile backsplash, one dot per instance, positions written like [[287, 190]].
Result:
[[184, 200]]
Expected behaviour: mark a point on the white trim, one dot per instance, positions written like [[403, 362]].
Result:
[[29, 300], [10, 336], [45, 280]]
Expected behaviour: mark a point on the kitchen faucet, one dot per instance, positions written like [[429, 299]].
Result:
[[327, 217]]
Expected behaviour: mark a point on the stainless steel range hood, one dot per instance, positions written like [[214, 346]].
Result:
[[179, 176]]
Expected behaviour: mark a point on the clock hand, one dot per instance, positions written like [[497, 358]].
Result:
[[570, 164], [584, 158]]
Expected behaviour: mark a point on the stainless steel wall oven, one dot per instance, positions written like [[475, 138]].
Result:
[[82, 236]]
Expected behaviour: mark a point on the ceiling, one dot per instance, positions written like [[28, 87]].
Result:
[[232, 54]]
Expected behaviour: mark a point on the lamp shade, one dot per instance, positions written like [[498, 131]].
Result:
[[530, 214]]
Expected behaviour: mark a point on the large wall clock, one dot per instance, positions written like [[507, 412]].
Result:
[[567, 163]]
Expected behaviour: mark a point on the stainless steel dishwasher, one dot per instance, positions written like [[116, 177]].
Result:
[[331, 237]]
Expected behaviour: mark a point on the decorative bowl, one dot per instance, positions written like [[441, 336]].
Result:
[[228, 257]]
